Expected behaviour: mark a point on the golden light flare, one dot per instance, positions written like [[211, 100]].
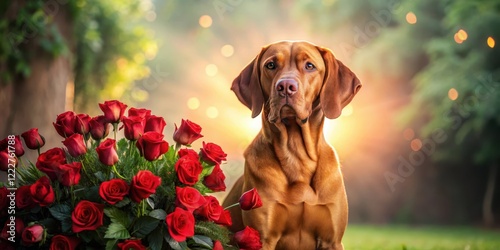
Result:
[[211, 70], [212, 112], [453, 94], [193, 103], [205, 21], [348, 110], [491, 42], [411, 18], [416, 144], [227, 50], [408, 134]]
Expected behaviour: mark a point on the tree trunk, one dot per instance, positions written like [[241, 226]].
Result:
[[488, 215]]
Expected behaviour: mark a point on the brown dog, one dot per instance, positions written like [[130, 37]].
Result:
[[296, 172]]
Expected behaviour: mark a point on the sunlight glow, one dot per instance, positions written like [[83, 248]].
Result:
[[411, 18], [491, 42], [212, 112], [193, 103], [205, 21], [453, 94], [408, 134], [227, 50], [416, 144], [348, 110], [211, 70]]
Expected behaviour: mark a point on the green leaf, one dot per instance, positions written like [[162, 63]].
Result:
[[66, 224], [60, 211], [174, 244], [116, 231], [144, 225], [203, 241], [159, 214], [123, 203], [118, 216], [100, 176], [155, 239], [110, 244], [150, 203]]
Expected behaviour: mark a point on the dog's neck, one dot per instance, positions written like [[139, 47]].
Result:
[[296, 145]]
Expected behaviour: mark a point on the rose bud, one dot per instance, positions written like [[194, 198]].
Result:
[[5, 160], [215, 180], [248, 239], [32, 234], [99, 127], [189, 198], [212, 153], [24, 198], [41, 191], [107, 152], [113, 110], [187, 133], [188, 170], [134, 127], [143, 184], [113, 191], [87, 216], [69, 174], [151, 145], [62, 242], [180, 224], [225, 219], [75, 145], [18, 146], [33, 139], [211, 210], [141, 112], [82, 124], [250, 200], [7, 228], [65, 124], [217, 245], [155, 123], [48, 161], [135, 244]]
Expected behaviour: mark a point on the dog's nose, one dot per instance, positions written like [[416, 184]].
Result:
[[287, 87]]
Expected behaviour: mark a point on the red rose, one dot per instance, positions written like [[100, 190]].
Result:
[[134, 127], [69, 174], [87, 216], [33, 139], [49, 160], [107, 152], [212, 153], [215, 180], [180, 224], [5, 160], [32, 234], [187, 133], [113, 110], [211, 210], [155, 123], [9, 229], [144, 183], [188, 198], [141, 112], [61, 242], [225, 219], [65, 124], [42, 192], [217, 245], [188, 170], [99, 127], [75, 145], [24, 198], [189, 152], [135, 244], [151, 145], [18, 145], [82, 124], [113, 191], [248, 239], [250, 200]]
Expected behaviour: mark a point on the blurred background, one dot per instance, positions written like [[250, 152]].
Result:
[[419, 144]]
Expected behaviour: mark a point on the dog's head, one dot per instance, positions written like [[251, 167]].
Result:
[[293, 78]]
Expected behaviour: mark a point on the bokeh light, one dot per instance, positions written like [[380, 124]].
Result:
[[416, 144], [212, 112], [227, 50], [211, 70], [491, 42], [193, 103], [408, 134], [348, 110], [411, 18], [453, 94], [205, 21]]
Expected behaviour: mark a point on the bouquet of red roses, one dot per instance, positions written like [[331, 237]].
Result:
[[135, 193]]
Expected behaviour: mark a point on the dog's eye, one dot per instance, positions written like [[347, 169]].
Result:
[[310, 66], [270, 65]]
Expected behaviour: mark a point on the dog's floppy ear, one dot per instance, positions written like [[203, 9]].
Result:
[[340, 85], [247, 86]]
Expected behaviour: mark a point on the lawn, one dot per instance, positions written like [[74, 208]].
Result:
[[364, 237]]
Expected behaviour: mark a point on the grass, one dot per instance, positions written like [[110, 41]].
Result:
[[363, 237]]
